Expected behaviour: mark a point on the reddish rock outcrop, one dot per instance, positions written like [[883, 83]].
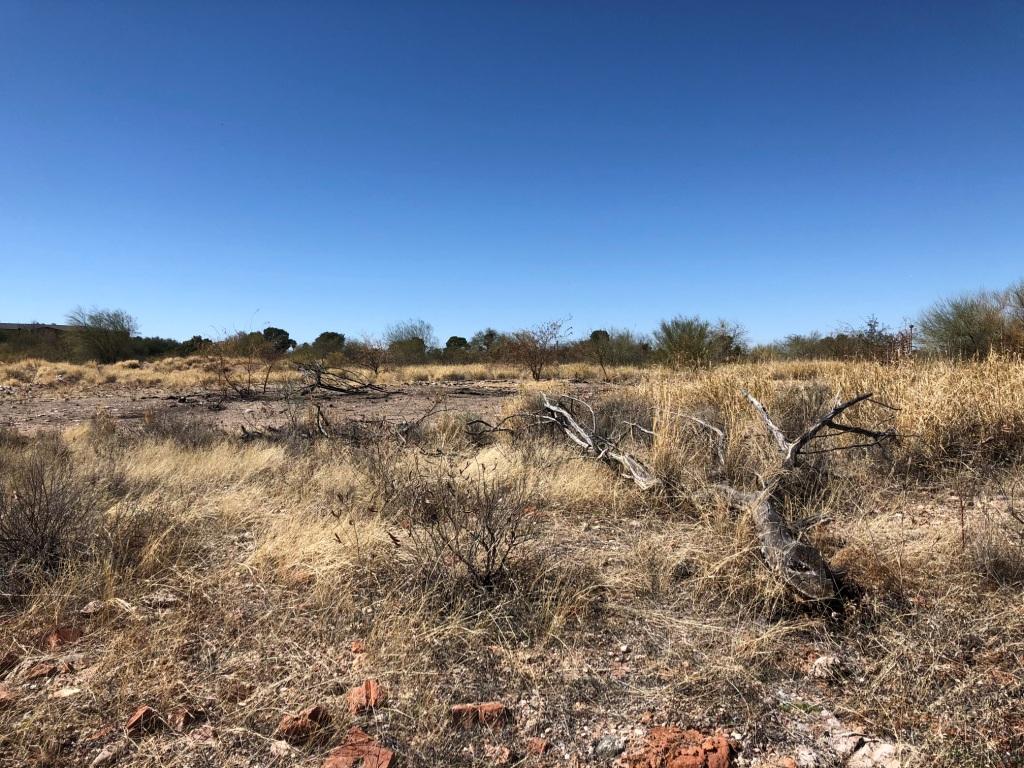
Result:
[[369, 695], [304, 725], [359, 750], [673, 747]]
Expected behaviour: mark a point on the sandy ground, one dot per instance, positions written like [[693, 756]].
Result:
[[31, 408]]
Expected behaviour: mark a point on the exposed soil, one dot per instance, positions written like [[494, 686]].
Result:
[[30, 409]]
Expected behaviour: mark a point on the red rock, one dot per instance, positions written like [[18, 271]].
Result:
[[359, 750], [59, 636], [369, 695], [358, 646], [42, 669], [672, 747], [181, 718], [488, 713], [143, 719], [304, 725], [464, 714], [7, 697], [537, 746], [491, 712], [787, 762]]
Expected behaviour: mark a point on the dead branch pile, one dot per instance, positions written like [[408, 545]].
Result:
[[318, 377]]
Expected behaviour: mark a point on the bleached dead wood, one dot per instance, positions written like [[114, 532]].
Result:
[[796, 562], [825, 427], [598, 446]]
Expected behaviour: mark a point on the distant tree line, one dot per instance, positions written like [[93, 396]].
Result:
[[968, 326]]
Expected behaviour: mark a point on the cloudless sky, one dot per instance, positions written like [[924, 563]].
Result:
[[344, 165]]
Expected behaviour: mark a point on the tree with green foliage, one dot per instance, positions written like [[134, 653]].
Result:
[[486, 341], [279, 339], [693, 341], [103, 335], [195, 346], [328, 343]]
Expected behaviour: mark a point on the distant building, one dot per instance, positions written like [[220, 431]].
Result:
[[34, 327]]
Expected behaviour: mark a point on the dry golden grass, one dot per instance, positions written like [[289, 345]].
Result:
[[279, 554], [190, 373]]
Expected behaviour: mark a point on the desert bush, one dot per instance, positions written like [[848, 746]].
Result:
[[693, 341], [245, 362], [103, 335], [975, 325], [872, 341], [469, 523], [410, 341], [45, 510], [368, 353], [536, 348]]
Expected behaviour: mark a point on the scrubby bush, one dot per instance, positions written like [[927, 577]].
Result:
[[693, 341], [245, 362], [408, 342], [103, 335], [367, 353], [536, 348], [45, 511], [872, 341], [470, 521], [975, 325]]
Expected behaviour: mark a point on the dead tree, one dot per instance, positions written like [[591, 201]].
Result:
[[826, 427], [604, 448], [796, 562], [317, 376]]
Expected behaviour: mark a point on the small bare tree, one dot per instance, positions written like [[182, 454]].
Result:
[[537, 348], [368, 353], [245, 362]]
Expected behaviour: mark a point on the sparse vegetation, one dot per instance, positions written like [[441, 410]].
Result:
[[514, 569]]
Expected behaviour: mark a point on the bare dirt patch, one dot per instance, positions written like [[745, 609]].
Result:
[[31, 409]]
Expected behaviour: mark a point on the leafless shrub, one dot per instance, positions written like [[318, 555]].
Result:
[[244, 363], [45, 511], [536, 348], [469, 523]]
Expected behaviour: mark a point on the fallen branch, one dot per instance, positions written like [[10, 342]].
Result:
[[799, 564], [338, 380], [791, 450], [603, 448]]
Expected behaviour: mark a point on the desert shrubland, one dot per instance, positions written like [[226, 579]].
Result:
[[243, 576]]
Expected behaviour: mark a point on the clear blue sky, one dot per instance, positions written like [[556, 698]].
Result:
[[341, 166]]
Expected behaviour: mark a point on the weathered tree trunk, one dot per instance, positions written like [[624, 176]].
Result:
[[799, 564]]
